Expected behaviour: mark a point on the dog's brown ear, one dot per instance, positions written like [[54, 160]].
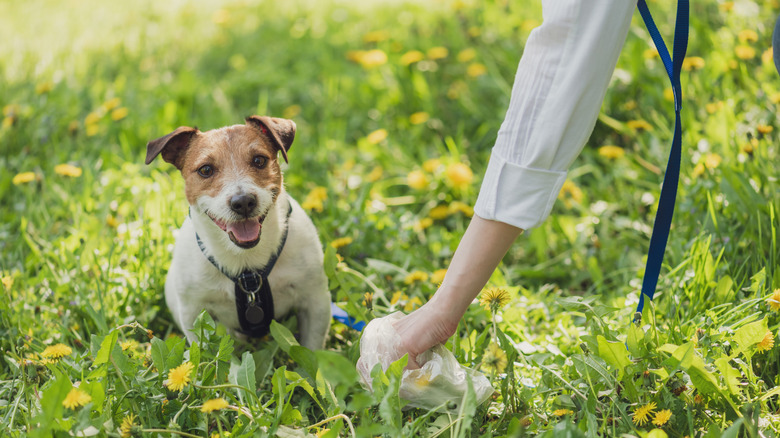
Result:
[[280, 131], [171, 146]]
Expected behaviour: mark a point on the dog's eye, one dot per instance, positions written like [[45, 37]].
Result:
[[259, 161], [206, 171]]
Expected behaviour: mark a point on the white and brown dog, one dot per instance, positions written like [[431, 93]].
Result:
[[247, 253]]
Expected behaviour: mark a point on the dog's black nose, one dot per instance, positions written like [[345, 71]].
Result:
[[243, 204]]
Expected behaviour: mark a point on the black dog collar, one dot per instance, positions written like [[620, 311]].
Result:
[[254, 302]]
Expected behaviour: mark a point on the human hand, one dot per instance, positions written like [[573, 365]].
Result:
[[430, 325]]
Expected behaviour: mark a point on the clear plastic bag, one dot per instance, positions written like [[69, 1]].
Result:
[[439, 384]]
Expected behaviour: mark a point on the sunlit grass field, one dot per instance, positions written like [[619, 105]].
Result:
[[397, 106]]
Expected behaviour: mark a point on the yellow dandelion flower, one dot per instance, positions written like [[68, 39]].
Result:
[[67, 170], [126, 429], [570, 191], [111, 221], [641, 415], [650, 53], [698, 170], [767, 343], [422, 224], [24, 177], [431, 165], [372, 58], [437, 53], [375, 174], [417, 180], [714, 106], [768, 55], [773, 302], [411, 57], [474, 31], [439, 212], [764, 129], [76, 398], [56, 351], [415, 276], [92, 130], [43, 87], [467, 55], [419, 118], [459, 175], [494, 360], [179, 377], [368, 298], [693, 63], [340, 242], [745, 52], [314, 200], [92, 118], [494, 298], [662, 417], [119, 114], [669, 94], [562, 412], [215, 404], [726, 6], [129, 345], [612, 152], [8, 281], [747, 36], [438, 276], [291, 111], [8, 122], [637, 125], [412, 304], [461, 207], [476, 69], [376, 36], [698, 399], [111, 104], [398, 296], [377, 136], [711, 161], [750, 146]]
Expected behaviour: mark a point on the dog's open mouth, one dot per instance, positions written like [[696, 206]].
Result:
[[245, 233]]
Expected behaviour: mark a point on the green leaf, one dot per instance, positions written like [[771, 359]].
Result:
[[282, 336], [336, 368], [305, 358], [300, 381], [159, 355], [730, 375], [750, 334], [51, 401], [175, 351], [106, 347], [657, 433], [615, 354], [244, 374]]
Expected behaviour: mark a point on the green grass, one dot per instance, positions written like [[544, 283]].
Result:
[[83, 258]]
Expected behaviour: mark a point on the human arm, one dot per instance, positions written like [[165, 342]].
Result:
[[558, 90]]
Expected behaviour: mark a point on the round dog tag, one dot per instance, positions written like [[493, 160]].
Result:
[[254, 314]]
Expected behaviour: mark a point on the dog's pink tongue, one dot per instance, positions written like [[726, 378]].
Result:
[[245, 231]]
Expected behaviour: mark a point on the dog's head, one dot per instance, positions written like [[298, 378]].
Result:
[[230, 174]]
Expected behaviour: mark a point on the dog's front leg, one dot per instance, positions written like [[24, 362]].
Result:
[[314, 322], [186, 318]]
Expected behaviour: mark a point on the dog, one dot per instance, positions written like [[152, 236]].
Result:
[[247, 252]]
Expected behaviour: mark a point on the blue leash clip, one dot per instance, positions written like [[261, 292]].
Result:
[[663, 216], [341, 316]]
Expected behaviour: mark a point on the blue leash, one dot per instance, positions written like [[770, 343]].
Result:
[[663, 217]]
